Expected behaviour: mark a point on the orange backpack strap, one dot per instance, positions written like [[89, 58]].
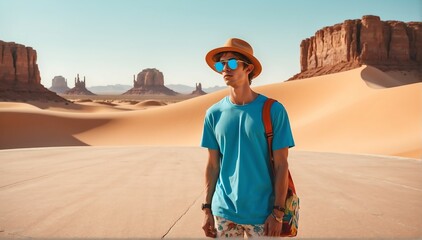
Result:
[[266, 118]]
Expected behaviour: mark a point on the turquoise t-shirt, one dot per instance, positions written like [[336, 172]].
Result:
[[244, 192]]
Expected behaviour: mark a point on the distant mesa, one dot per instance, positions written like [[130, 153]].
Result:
[[198, 90], [79, 89], [20, 78], [386, 45], [59, 85], [149, 81]]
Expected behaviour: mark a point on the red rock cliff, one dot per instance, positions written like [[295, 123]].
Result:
[[19, 74], [388, 45], [18, 64]]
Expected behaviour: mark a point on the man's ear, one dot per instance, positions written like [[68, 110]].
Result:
[[250, 68]]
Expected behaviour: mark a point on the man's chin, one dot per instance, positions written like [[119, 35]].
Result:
[[229, 83]]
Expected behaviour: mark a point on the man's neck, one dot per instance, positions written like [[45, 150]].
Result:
[[242, 95]]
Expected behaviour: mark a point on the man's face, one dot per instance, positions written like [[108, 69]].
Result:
[[237, 76]]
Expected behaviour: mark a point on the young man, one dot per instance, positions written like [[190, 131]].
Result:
[[240, 199]]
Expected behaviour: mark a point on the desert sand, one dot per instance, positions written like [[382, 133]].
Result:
[[156, 192], [121, 169]]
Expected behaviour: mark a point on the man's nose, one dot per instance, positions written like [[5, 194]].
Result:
[[226, 66]]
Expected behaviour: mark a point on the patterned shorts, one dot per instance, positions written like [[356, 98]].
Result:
[[227, 228]]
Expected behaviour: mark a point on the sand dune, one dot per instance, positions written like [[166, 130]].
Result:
[[151, 103], [341, 112]]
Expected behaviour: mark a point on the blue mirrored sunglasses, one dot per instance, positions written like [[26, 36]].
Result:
[[231, 63]]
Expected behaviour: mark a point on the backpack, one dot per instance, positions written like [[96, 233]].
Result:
[[291, 212]]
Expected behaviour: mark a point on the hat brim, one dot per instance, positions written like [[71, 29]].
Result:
[[210, 55]]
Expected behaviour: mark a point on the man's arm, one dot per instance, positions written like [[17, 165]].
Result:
[[212, 171], [281, 167], [281, 183]]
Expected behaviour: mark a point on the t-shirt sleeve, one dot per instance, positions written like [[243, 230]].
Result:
[[283, 136], [208, 136]]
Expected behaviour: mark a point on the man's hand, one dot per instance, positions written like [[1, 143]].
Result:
[[208, 225], [272, 227]]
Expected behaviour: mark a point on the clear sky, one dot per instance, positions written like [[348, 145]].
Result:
[[109, 41]]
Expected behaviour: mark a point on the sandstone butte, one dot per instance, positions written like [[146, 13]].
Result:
[[198, 90], [79, 89], [149, 81], [20, 78], [59, 85], [386, 45]]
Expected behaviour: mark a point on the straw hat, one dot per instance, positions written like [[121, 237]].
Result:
[[235, 45]]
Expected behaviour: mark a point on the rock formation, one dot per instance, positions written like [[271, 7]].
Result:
[[198, 90], [149, 81], [59, 85], [20, 78], [79, 89], [387, 45]]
